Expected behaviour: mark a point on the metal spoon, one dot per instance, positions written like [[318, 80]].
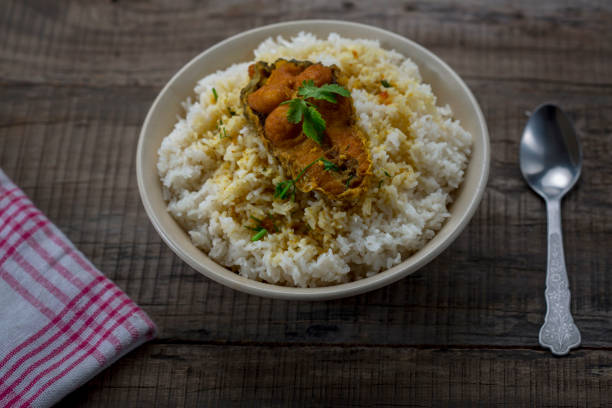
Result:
[[551, 161]]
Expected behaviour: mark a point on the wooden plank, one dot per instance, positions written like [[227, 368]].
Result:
[[76, 160], [279, 376], [114, 43]]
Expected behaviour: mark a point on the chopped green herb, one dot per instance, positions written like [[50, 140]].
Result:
[[325, 92], [231, 112], [300, 110], [259, 228], [352, 176], [329, 166], [386, 174], [385, 83], [222, 131], [259, 235], [283, 188], [296, 109], [313, 125], [214, 91], [287, 188]]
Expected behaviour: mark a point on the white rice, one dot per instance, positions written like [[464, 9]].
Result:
[[214, 184]]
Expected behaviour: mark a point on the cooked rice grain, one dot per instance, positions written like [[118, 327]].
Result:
[[213, 184]]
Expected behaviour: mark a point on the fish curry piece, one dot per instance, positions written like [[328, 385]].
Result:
[[342, 143]]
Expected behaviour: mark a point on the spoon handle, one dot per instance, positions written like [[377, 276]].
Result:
[[558, 333]]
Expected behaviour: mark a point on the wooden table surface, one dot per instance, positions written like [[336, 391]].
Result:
[[77, 78]]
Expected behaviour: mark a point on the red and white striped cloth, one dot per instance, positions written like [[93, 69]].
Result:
[[61, 320]]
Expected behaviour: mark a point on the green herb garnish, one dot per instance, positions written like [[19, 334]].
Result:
[[325, 92], [329, 166], [231, 112], [381, 181], [283, 188], [287, 188], [300, 110], [259, 228], [385, 83], [352, 176], [222, 131], [259, 235], [214, 91], [313, 123]]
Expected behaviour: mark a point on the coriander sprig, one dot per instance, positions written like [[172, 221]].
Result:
[[287, 188], [313, 124], [300, 110], [325, 92]]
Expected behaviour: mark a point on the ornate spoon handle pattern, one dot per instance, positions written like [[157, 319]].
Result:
[[558, 333]]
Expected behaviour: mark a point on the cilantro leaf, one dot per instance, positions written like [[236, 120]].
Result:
[[300, 110], [335, 88], [313, 125], [308, 89], [385, 83], [325, 92], [297, 107]]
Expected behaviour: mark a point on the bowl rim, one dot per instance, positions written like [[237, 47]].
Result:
[[269, 290]]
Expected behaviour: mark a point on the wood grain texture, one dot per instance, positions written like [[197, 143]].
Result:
[[77, 79], [282, 376]]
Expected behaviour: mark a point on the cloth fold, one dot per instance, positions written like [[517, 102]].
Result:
[[61, 320]]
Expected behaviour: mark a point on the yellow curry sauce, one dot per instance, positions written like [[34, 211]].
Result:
[[343, 142]]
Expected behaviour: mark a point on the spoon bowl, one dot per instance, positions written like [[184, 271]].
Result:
[[551, 160], [550, 155]]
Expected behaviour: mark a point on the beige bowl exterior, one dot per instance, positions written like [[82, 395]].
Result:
[[446, 84]]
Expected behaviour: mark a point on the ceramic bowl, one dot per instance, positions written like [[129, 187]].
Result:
[[446, 84]]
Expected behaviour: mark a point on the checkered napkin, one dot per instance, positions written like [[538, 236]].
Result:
[[61, 321]]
